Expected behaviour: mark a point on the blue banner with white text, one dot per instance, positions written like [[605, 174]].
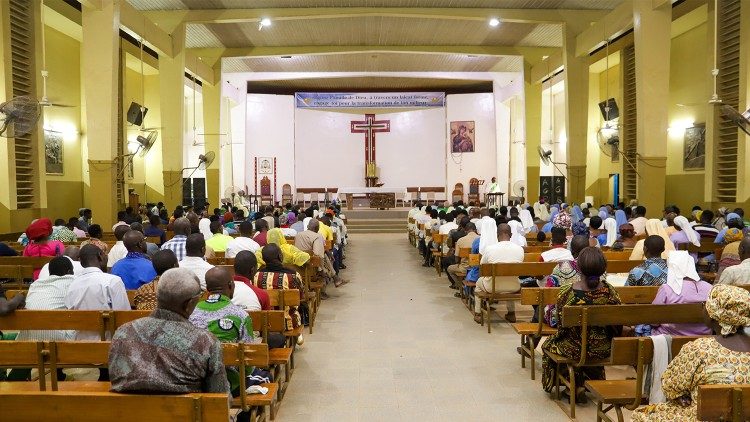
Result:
[[369, 99]]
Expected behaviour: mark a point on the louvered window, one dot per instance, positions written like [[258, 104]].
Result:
[[120, 182], [22, 77], [726, 135], [629, 123]]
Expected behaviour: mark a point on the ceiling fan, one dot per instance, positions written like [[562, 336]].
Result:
[[45, 101]]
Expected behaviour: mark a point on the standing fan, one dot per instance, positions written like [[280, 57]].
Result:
[[519, 190], [19, 116]]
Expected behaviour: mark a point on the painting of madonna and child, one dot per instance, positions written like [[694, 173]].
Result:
[[462, 136]]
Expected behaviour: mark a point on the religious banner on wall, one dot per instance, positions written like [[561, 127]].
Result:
[[369, 99], [462, 136]]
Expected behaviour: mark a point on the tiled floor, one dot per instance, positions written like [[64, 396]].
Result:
[[395, 345]]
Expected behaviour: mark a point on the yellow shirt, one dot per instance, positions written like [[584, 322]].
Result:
[[326, 231], [218, 242]]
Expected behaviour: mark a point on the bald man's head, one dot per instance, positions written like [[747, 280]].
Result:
[[134, 241], [219, 280], [313, 226], [72, 252], [503, 232]]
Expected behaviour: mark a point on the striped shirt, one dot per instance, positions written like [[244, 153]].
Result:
[[176, 245], [47, 294]]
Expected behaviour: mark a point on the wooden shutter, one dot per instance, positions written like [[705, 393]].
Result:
[[629, 123], [22, 49], [120, 160], [726, 134]]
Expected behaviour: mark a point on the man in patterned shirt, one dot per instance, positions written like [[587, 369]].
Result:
[[145, 296], [176, 244], [226, 321], [653, 271], [164, 352], [62, 233]]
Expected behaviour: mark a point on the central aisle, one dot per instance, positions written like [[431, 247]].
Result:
[[395, 345]]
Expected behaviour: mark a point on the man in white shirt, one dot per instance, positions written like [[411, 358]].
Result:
[[558, 252], [95, 290], [119, 250], [121, 216], [639, 222], [195, 250], [243, 242], [503, 251]]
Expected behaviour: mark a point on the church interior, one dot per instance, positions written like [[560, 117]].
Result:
[[392, 196]]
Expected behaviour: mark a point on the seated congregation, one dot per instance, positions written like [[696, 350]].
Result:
[[182, 304], [608, 287]]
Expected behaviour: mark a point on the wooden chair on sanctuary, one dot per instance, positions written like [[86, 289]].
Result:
[[265, 191], [474, 190], [286, 193]]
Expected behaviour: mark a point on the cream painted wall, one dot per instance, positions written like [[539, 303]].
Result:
[[64, 192], [269, 129], [688, 86]]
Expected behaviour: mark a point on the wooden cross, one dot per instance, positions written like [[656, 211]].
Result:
[[369, 127]]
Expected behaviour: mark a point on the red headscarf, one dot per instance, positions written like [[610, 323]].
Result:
[[39, 229]]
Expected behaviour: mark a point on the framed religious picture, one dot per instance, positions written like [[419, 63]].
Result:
[[53, 152], [695, 148], [462, 136], [265, 165]]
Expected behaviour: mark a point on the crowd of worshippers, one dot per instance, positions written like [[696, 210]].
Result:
[[170, 277], [499, 234], [578, 234]]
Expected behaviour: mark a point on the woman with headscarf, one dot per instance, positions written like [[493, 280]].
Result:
[[517, 233], [621, 218], [685, 232], [576, 214], [488, 236], [719, 359], [733, 220], [291, 254], [527, 221], [547, 228], [38, 234], [654, 227], [683, 286], [580, 229], [730, 255], [610, 225]]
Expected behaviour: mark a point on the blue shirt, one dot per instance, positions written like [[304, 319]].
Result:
[[135, 270], [472, 274], [155, 231]]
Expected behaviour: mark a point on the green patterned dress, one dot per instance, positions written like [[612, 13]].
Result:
[[567, 341]]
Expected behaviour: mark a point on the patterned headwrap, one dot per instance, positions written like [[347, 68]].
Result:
[[283, 219], [562, 220], [580, 228], [733, 235], [730, 307]]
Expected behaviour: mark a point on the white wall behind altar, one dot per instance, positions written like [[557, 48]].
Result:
[[269, 132], [329, 155], [482, 163]]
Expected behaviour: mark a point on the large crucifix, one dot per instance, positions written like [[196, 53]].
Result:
[[370, 127]]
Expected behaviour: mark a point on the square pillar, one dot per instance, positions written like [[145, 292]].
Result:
[[172, 107], [576, 117], [212, 127]]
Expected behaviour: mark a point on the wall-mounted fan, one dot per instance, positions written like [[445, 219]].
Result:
[[19, 116], [546, 157], [742, 120], [146, 142], [609, 144]]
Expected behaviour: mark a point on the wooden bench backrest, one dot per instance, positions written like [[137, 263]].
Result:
[[707, 246], [464, 252], [101, 321], [544, 268], [16, 272], [628, 294], [236, 354], [724, 402], [34, 261], [268, 321], [625, 349], [603, 315], [280, 298], [113, 407]]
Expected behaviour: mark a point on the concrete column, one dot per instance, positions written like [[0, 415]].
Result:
[[576, 117], [211, 125], [100, 59], [533, 110], [652, 35], [172, 90]]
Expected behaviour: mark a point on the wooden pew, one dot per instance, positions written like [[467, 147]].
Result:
[[538, 269], [724, 402], [18, 273], [540, 297], [280, 358], [86, 354], [632, 351], [114, 407], [613, 315], [103, 322], [437, 253]]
